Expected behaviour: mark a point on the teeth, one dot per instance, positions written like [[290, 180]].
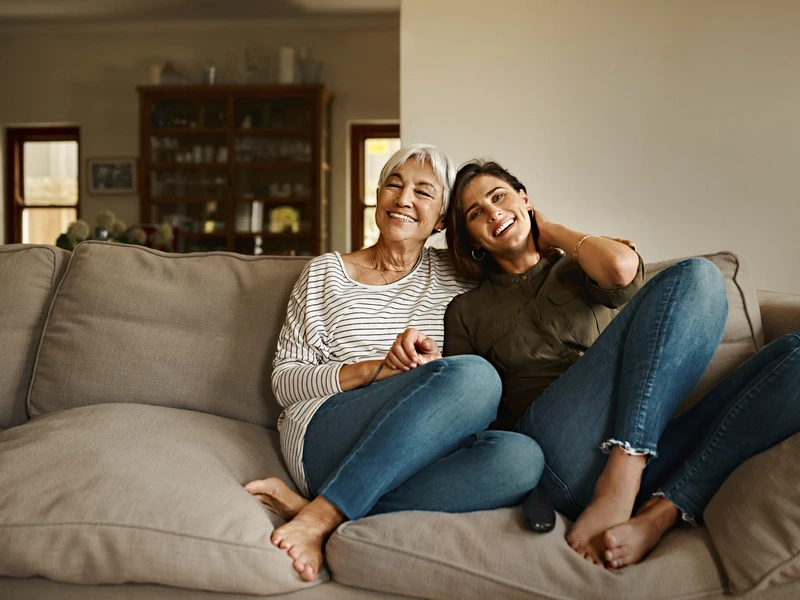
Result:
[[402, 217], [503, 227]]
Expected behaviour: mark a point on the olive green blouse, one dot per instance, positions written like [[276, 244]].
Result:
[[532, 327]]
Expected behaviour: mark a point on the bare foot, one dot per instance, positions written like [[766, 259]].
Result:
[[304, 536], [630, 542], [276, 496], [614, 496]]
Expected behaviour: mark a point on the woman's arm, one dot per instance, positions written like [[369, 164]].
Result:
[[359, 374], [608, 262], [302, 368]]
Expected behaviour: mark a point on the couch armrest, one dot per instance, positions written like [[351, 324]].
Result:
[[780, 313]]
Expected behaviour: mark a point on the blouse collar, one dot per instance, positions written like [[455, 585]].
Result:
[[533, 274]]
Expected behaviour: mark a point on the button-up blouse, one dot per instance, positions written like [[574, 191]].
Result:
[[532, 326]]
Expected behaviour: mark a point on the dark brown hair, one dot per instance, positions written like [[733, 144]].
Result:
[[459, 242]]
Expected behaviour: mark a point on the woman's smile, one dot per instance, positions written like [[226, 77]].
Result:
[[504, 226]]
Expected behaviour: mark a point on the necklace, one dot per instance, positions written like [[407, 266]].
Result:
[[380, 271]]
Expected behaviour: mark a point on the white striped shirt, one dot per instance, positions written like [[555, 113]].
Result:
[[333, 320]]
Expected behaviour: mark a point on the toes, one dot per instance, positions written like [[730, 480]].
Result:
[[259, 486], [573, 542], [611, 539], [253, 486], [308, 573]]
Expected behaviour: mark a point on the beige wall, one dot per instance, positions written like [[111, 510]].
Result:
[[87, 75], [672, 122]]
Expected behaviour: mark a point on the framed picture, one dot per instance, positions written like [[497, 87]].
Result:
[[111, 175]]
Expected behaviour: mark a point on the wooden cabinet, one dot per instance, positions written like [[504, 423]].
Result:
[[240, 168]]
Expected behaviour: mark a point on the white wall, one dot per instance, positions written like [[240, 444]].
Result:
[[87, 75], [675, 123]]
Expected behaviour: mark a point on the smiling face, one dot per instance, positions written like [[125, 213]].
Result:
[[496, 216], [409, 203]]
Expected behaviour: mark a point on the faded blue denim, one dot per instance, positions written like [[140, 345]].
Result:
[[630, 382], [415, 441], [754, 408]]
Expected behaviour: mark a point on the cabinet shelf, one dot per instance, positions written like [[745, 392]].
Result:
[[269, 234], [188, 166], [188, 130], [289, 121], [242, 131], [298, 200], [186, 199], [200, 235], [264, 164]]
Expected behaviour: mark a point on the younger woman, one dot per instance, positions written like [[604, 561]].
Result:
[[597, 389]]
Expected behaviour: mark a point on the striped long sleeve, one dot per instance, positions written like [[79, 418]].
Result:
[[332, 321]]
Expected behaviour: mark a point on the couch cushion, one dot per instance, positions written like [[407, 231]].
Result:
[[754, 519], [29, 275], [492, 554], [743, 335], [118, 493], [195, 331]]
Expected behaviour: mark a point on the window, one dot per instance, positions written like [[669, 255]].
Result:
[[42, 183], [371, 146]]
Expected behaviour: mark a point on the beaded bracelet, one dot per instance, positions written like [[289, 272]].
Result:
[[578, 245]]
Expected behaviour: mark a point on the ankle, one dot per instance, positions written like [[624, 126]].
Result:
[[323, 511], [663, 513]]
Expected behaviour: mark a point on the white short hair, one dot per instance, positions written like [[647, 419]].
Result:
[[443, 167]]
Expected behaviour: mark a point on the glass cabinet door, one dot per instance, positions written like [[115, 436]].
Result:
[[274, 174], [236, 167], [189, 113], [189, 177]]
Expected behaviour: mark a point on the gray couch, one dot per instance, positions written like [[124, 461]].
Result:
[[135, 401]]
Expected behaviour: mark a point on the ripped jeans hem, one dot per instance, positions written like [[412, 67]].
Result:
[[627, 449], [684, 515]]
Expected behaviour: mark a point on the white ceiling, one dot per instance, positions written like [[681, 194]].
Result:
[[81, 11]]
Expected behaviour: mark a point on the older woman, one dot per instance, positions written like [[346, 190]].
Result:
[[580, 378], [362, 438]]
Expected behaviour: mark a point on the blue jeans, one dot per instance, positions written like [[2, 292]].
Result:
[[416, 441], [754, 408], [630, 382]]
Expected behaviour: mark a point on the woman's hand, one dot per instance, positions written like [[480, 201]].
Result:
[[545, 235], [608, 261], [411, 349]]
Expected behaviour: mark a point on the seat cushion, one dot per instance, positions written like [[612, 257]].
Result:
[[120, 493], [195, 331], [29, 275], [754, 519], [743, 336], [492, 554]]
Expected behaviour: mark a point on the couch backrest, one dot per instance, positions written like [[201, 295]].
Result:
[[29, 275], [195, 331], [191, 331], [744, 334]]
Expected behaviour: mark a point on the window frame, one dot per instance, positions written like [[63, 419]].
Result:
[[15, 201], [359, 133]]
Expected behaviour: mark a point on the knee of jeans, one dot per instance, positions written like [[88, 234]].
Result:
[[476, 376], [522, 459], [709, 283]]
